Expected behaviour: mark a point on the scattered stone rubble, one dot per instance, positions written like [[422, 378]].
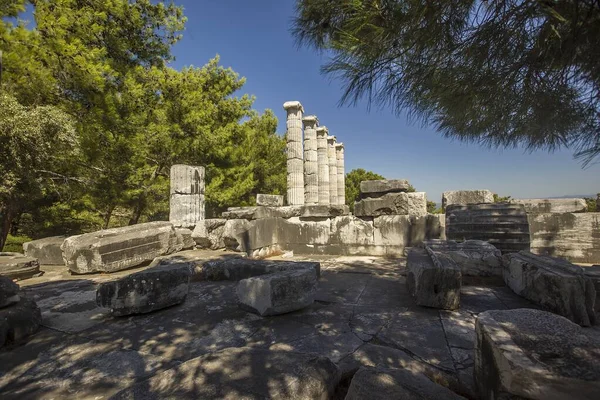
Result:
[[553, 283], [532, 354]]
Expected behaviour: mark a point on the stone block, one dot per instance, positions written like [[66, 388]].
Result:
[[464, 197], [502, 224], [235, 234], [186, 238], [474, 257], [572, 236], [242, 373], [186, 209], [351, 230], [433, 279], [296, 231], [18, 266], [380, 187], [271, 200], [18, 321], [552, 205], [392, 204], [392, 230], [142, 292], [235, 269], [116, 249], [208, 234], [46, 250], [9, 292], [324, 211], [533, 354], [553, 283], [278, 293], [383, 384], [593, 273]]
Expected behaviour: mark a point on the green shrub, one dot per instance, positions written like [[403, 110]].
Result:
[[14, 244]]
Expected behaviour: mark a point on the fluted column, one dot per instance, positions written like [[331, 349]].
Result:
[[311, 168], [295, 156], [333, 196], [323, 165], [341, 173], [186, 205]]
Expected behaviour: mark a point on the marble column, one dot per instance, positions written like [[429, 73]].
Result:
[[295, 156], [341, 174], [333, 196], [323, 165], [311, 168], [186, 203]]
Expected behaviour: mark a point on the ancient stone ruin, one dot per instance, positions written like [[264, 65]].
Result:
[[298, 298]]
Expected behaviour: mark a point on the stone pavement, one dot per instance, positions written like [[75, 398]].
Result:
[[363, 315]]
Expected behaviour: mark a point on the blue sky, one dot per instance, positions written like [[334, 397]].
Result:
[[252, 37]]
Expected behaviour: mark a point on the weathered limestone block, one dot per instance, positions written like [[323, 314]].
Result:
[[433, 279], [311, 167], [235, 234], [552, 205], [295, 162], [152, 289], [532, 354], [18, 266], [572, 236], [383, 384], [378, 187], [593, 273], [258, 212], [502, 224], [553, 283], [208, 234], [46, 250], [464, 197], [115, 249], [392, 204], [9, 292], [278, 293], [186, 206], [333, 193], [324, 211], [186, 238], [323, 164], [474, 257], [251, 373], [341, 173], [351, 230], [235, 269], [305, 232], [18, 321], [270, 200]]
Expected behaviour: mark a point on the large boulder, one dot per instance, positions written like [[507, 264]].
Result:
[[18, 321], [433, 279], [152, 289], [392, 204], [552, 205], [474, 257], [533, 354], [242, 373], [464, 197], [46, 250], [502, 224], [384, 384], [9, 292], [116, 249], [18, 266], [554, 283], [377, 188], [278, 293]]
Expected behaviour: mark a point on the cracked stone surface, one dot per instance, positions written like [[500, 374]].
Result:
[[363, 316]]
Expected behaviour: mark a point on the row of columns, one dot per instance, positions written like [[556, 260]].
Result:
[[315, 161]]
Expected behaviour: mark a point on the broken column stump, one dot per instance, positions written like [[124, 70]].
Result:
[[433, 279], [186, 205], [553, 283], [533, 354]]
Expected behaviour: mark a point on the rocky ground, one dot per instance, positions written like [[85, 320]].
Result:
[[363, 316]]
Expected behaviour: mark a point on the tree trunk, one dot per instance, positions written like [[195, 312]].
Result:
[[107, 216], [5, 222], [137, 210]]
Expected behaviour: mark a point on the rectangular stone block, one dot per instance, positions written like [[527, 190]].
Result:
[[271, 200], [153, 289], [392, 204], [552, 205], [116, 249], [553, 283], [464, 197], [474, 257], [433, 279], [375, 188], [46, 250]]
